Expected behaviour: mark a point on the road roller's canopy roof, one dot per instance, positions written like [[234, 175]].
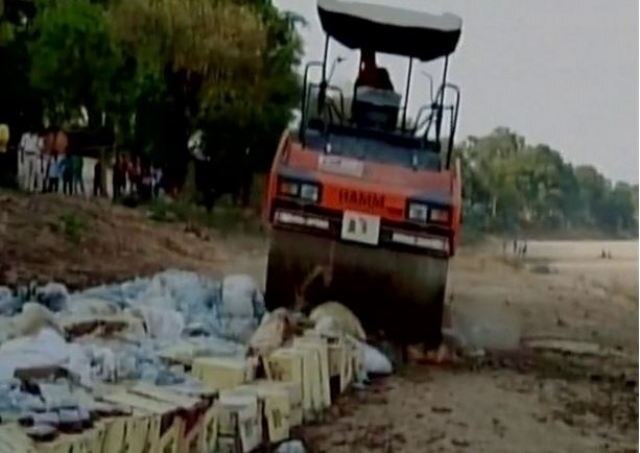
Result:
[[391, 30]]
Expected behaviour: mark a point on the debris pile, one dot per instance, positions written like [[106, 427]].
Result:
[[175, 362]]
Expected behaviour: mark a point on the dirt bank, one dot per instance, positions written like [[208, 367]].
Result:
[[86, 242]]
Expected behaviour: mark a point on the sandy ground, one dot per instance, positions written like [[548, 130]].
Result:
[[508, 397], [515, 398]]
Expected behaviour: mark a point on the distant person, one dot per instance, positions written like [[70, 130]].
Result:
[[54, 168], [7, 176], [370, 74], [146, 183], [4, 138], [156, 174], [97, 179], [30, 157], [603, 254], [119, 176], [78, 180], [515, 246], [55, 144], [524, 249], [55, 141], [67, 174], [135, 175]]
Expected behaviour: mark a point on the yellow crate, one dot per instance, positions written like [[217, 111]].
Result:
[[319, 345], [198, 410], [145, 427], [286, 365], [13, 439], [114, 432], [222, 372], [294, 398], [276, 407], [341, 362], [182, 353], [208, 440], [239, 421], [304, 362]]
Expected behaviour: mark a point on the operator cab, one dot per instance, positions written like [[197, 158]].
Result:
[[375, 104], [375, 127]]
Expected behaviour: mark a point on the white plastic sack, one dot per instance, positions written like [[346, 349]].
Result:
[[344, 319], [104, 362], [91, 306], [53, 295], [237, 329], [7, 301], [291, 446], [240, 296], [33, 318], [156, 295], [327, 326], [79, 363], [46, 348], [374, 361], [162, 323], [271, 332]]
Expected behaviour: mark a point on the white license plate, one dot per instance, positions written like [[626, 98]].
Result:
[[360, 227], [341, 165]]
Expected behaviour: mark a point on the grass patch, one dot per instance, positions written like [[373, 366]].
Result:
[[224, 217], [74, 226]]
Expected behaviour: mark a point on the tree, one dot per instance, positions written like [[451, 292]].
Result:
[[509, 184], [208, 55], [74, 61], [20, 105]]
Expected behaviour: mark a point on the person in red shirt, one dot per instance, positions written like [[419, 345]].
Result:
[[370, 74]]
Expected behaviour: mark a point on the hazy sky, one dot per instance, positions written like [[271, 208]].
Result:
[[561, 72]]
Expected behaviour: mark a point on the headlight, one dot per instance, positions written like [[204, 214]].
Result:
[[438, 215], [417, 212], [289, 188], [309, 192]]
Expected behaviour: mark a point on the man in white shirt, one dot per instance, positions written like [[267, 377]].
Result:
[[30, 162]]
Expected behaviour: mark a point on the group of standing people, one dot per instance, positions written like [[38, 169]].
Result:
[[133, 176], [46, 163]]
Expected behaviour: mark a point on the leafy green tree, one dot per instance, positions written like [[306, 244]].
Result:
[[510, 185], [220, 63], [74, 61], [20, 104]]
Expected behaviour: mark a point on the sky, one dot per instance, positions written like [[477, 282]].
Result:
[[560, 72]]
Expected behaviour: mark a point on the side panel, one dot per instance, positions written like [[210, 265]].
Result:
[[271, 189], [456, 199]]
